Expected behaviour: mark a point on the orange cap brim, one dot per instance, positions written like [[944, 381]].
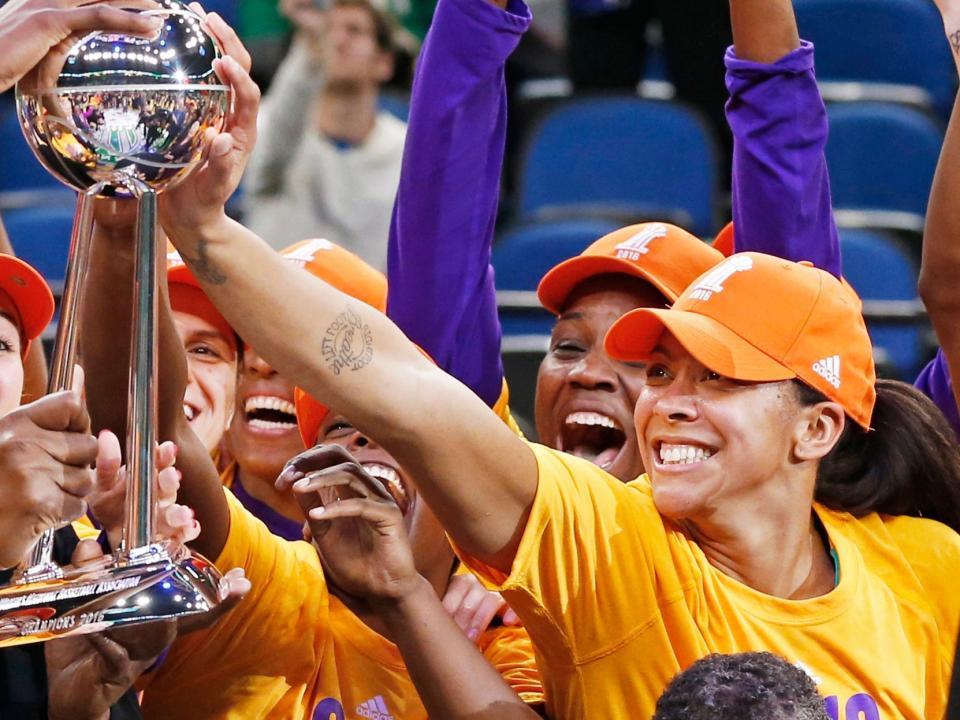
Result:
[[310, 415], [559, 282], [635, 335], [30, 294]]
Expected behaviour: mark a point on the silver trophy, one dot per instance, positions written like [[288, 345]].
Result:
[[119, 116]]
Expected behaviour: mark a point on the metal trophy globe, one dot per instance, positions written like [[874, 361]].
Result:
[[119, 116]]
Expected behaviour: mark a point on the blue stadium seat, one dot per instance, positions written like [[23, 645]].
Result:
[[881, 159], [523, 255], [41, 236], [879, 269], [622, 158], [898, 42]]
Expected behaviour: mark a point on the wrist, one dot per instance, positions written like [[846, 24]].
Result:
[[187, 236], [408, 595]]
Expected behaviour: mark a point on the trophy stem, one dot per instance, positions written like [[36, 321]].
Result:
[[142, 412], [40, 563]]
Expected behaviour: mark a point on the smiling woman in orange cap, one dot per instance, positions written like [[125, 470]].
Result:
[[212, 361]]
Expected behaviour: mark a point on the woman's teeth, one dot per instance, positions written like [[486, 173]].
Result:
[[387, 474], [189, 412], [591, 418], [683, 454], [265, 402]]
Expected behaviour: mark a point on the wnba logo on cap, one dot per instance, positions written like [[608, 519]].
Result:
[[639, 244], [713, 281]]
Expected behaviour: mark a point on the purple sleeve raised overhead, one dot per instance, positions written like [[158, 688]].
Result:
[[781, 188], [441, 291]]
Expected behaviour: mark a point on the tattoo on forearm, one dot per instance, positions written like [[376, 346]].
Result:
[[203, 267], [347, 343], [955, 41]]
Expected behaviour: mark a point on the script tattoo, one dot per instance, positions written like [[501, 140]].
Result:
[[955, 41], [204, 268], [347, 343]]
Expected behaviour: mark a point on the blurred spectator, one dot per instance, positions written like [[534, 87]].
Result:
[[327, 162], [607, 47], [743, 686]]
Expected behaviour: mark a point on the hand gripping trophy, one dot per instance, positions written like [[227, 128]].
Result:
[[119, 116]]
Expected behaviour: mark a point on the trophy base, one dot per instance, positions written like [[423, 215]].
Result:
[[149, 584]]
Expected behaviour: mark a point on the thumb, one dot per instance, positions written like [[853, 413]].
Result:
[[62, 411]]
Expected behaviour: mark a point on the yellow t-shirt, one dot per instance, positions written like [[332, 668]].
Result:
[[291, 650], [501, 409], [617, 600]]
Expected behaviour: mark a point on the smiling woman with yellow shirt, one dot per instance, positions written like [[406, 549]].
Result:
[[765, 370]]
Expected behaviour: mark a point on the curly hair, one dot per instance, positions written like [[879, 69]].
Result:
[[743, 686]]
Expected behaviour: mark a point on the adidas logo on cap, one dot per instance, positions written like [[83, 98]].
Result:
[[374, 709], [639, 244], [829, 370]]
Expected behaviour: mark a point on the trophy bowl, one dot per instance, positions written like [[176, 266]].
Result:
[[117, 110]]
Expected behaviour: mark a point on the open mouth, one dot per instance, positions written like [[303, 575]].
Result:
[[592, 436], [682, 454], [270, 413], [190, 411], [390, 479]]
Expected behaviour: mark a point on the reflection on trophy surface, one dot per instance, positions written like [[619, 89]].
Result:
[[119, 116], [119, 109]]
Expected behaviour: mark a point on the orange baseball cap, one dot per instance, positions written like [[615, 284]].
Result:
[[724, 242], [666, 256], [31, 301], [349, 274], [759, 318], [342, 269], [186, 296]]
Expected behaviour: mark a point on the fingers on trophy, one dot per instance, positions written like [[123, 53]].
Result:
[[119, 116]]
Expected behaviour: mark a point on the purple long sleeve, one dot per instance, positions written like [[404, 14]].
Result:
[[441, 289], [781, 188]]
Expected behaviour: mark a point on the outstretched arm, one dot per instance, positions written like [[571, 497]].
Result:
[[781, 189], [478, 477], [941, 251], [442, 292]]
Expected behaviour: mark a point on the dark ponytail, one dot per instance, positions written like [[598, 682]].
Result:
[[908, 465]]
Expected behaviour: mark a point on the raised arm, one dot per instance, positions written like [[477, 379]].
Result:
[[105, 344], [781, 189], [442, 292], [941, 251], [478, 477]]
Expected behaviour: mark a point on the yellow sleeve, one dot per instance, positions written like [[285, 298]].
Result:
[[588, 551], [245, 663], [510, 651]]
